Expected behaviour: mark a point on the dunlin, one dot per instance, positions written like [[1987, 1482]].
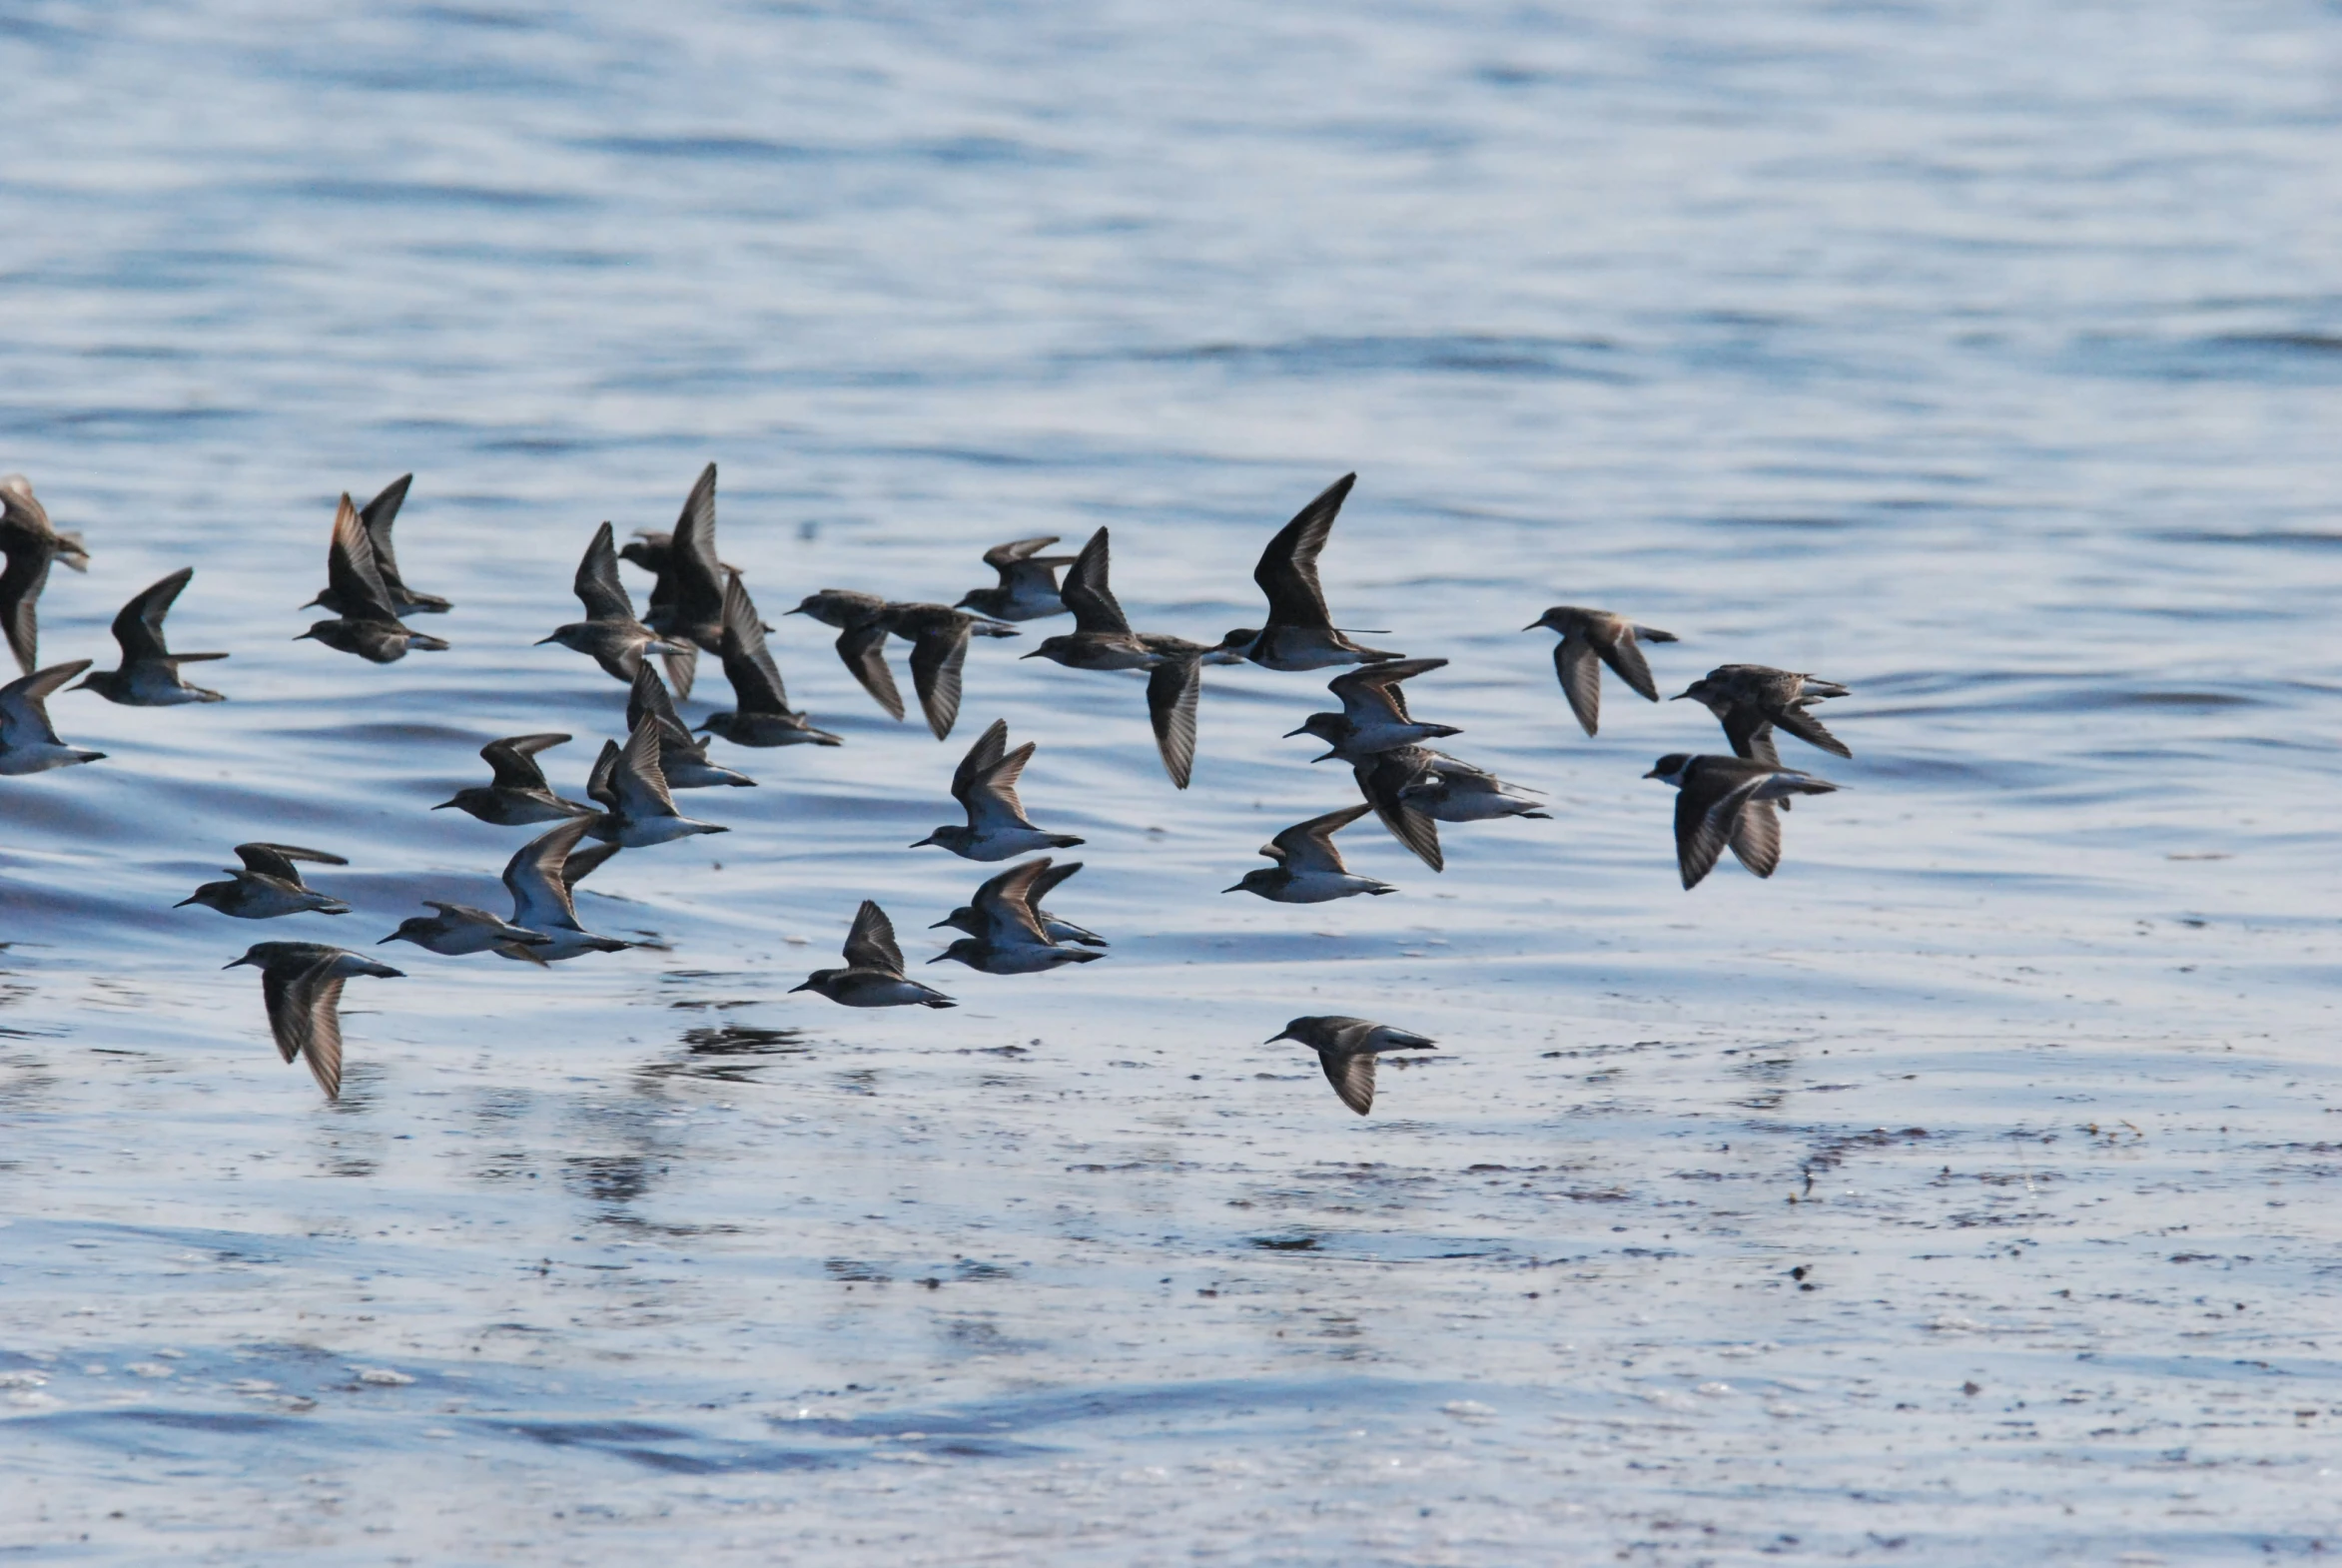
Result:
[[1028, 588], [149, 676], [376, 516], [458, 929], [637, 810], [1346, 1049], [1373, 714], [873, 975], [269, 885], [28, 742], [760, 714], [610, 635], [984, 785], [1728, 800], [32, 544], [1309, 868], [300, 982], [1589, 641], [520, 796], [1752, 699], [367, 622], [543, 879], [1300, 634]]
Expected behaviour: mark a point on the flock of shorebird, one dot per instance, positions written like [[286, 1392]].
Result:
[[698, 604]]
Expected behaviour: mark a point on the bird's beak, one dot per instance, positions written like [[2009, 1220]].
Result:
[[938, 959], [1289, 734], [1533, 625], [313, 631], [938, 924], [183, 903], [1036, 653], [923, 843], [392, 937], [793, 990], [1322, 759], [238, 964], [542, 641], [442, 805], [1238, 888], [1283, 1033], [1679, 696], [1654, 773], [799, 611]]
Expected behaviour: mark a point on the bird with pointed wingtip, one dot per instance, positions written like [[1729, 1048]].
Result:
[[683, 760], [655, 551], [1589, 641], [873, 974], [1384, 779], [1300, 634], [376, 516], [1728, 800], [1309, 868], [1346, 1049], [367, 619], [1751, 700], [984, 785], [939, 637], [32, 544], [519, 795], [29, 743], [1453, 790], [966, 919], [542, 877], [1010, 938], [269, 885], [149, 676], [693, 611], [637, 809], [760, 714], [1373, 716], [610, 635], [300, 983], [1028, 588], [458, 929], [860, 619]]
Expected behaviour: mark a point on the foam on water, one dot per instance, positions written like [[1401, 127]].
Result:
[[1955, 1196]]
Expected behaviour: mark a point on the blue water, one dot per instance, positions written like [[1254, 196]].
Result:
[[1987, 359]]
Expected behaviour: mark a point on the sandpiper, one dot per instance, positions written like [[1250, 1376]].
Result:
[[1752, 699], [872, 976], [760, 714], [1375, 713], [1300, 634], [1309, 868], [542, 878], [1384, 779], [1011, 939], [966, 918], [520, 796], [1028, 588], [939, 636], [32, 544], [862, 639], [984, 785], [149, 676], [1589, 641], [29, 743], [638, 811], [458, 929], [376, 516], [368, 621], [654, 552], [1728, 800], [1456, 791], [682, 760], [300, 983], [610, 634], [269, 885], [695, 611], [1346, 1048]]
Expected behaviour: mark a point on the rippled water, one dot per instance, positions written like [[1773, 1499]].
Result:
[[1956, 1197]]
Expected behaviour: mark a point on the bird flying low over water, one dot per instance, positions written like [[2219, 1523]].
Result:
[[1589, 641], [1375, 713], [367, 622], [520, 796], [376, 516], [300, 983], [32, 546], [1728, 800], [683, 760], [1346, 1049], [29, 743], [1309, 868], [966, 918], [149, 676], [543, 879], [1010, 938], [984, 785], [1384, 779], [938, 634], [1751, 701], [760, 714], [1456, 791], [693, 613], [1028, 588], [458, 929], [610, 635], [862, 639], [873, 975], [637, 810], [269, 885], [1300, 634]]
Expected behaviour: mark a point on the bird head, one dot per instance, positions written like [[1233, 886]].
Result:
[[1551, 621], [1670, 767]]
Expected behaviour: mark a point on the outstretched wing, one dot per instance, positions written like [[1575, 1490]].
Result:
[[990, 747], [698, 575], [597, 586], [24, 707], [1808, 729], [935, 661], [534, 877], [1352, 1077], [1580, 669], [1003, 558], [138, 627], [1005, 904], [20, 594], [1308, 846], [1756, 837], [871, 941], [649, 696], [1706, 815], [1085, 592], [1380, 781], [748, 663], [992, 796], [863, 649], [277, 860], [513, 759], [315, 998], [378, 515], [1372, 691], [1625, 655], [352, 573], [1287, 571], [1172, 688]]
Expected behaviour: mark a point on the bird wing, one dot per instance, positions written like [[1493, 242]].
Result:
[[1380, 781], [288, 1017], [992, 796], [748, 664], [1172, 688], [637, 779], [277, 860], [20, 594], [350, 570], [1085, 592], [138, 627], [1049, 880], [513, 759], [1706, 812], [598, 584], [1749, 732], [1623, 654], [1308, 846], [314, 996], [1808, 729], [700, 578], [24, 709], [936, 660], [863, 648], [870, 944], [1004, 558], [1372, 691], [1580, 670], [1005, 904], [378, 515], [648, 695], [533, 876], [582, 863], [597, 782], [1756, 837], [1287, 573], [682, 665], [1352, 1075], [990, 747]]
